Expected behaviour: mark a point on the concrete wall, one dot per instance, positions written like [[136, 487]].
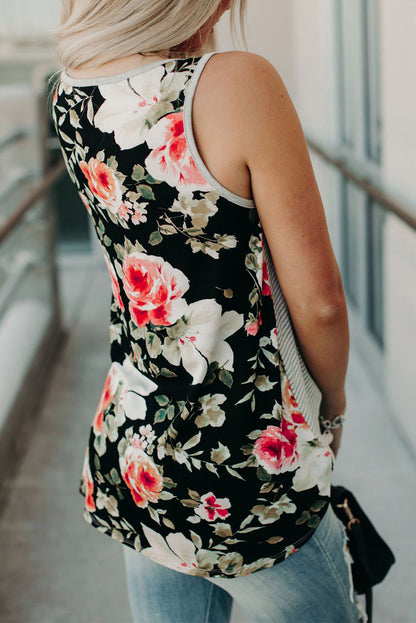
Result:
[[27, 19], [268, 32], [398, 51]]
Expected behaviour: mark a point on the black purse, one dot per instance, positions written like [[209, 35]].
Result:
[[372, 557]]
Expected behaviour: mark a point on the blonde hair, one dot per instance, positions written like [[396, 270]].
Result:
[[92, 32]]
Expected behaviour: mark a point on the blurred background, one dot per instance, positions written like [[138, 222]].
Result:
[[348, 66]]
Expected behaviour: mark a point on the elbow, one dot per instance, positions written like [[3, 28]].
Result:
[[332, 304], [331, 311]]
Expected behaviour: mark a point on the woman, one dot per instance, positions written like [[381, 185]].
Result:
[[207, 457]]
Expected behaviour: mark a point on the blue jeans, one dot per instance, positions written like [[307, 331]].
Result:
[[313, 585]]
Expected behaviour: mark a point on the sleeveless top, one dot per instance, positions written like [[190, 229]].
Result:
[[205, 452]]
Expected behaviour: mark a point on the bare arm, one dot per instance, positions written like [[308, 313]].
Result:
[[293, 219]]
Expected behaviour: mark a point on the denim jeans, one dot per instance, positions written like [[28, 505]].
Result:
[[312, 585]]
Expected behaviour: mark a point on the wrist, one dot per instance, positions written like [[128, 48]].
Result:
[[334, 406], [335, 421]]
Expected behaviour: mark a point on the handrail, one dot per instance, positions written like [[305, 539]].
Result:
[[370, 182], [21, 263], [13, 137], [15, 179], [14, 219], [372, 186]]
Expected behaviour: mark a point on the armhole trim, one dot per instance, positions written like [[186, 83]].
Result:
[[190, 139]]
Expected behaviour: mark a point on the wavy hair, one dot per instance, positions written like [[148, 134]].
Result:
[[92, 32]]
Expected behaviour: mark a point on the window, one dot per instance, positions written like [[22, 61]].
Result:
[[361, 220], [346, 73], [375, 284], [371, 69]]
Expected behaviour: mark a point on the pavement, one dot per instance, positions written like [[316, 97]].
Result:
[[56, 568]]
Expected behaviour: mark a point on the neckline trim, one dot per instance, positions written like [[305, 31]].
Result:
[[117, 77]]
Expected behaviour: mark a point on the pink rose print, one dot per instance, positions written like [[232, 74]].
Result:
[[115, 286], [107, 396], [140, 474], [170, 159], [139, 214], [135, 211], [212, 508], [154, 289], [253, 324], [273, 337], [124, 210], [276, 448], [102, 182], [88, 483], [265, 286], [252, 328], [290, 408]]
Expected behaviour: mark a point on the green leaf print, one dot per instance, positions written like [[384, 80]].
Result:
[[167, 373], [303, 518], [167, 230], [162, 400], [151, 180], [313, 521], [146, 192], [113, 477], [138, 173], [262, 474], [153, 344], [155, 237], [316, 506], [226, 377], [159, 416]]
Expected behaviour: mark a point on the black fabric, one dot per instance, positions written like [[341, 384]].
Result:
[[198, 453], [372, 557]]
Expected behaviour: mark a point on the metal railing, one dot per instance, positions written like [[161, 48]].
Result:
[[40, 190], [26, 401], [14, 137], [368, 179]]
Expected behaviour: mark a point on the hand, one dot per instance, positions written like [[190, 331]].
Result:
[[336, 439]]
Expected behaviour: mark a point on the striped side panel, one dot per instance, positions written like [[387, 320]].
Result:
[[307, 393]]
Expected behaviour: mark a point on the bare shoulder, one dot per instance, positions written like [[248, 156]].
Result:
[[249, 87], [240, 69], [241, 61], [251, 137]]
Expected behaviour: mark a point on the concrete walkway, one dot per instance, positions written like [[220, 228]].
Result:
[[57, 568]]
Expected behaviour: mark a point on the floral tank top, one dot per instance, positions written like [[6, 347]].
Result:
[[205, 452]]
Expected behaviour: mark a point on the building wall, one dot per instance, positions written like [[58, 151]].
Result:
[[299, 39], [27, 20], [268, 32], [398, 22]]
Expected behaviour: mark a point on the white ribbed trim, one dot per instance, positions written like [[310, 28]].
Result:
[[88, 82], [307, 393], [190, 139]]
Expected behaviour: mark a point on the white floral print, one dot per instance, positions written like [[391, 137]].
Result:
[[198, 456]]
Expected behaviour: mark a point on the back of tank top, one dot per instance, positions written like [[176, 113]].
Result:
[[205, 452]]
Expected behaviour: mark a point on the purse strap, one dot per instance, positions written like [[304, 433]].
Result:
[[369, 604]]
